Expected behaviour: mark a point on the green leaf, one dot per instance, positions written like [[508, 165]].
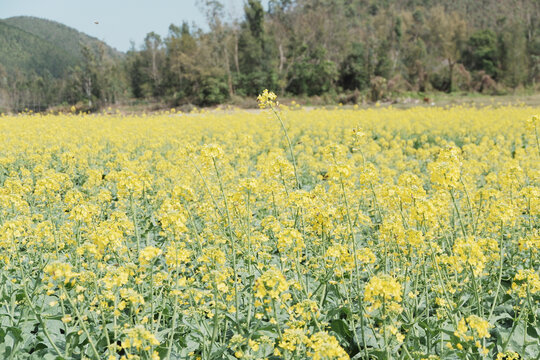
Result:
[[341, 328], [15, 334], [533, 332]]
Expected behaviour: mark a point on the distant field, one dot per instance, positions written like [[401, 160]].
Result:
[[404, 101], [520, 98], [376, 233]]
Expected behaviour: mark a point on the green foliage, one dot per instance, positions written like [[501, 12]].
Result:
[[255, 18], [315, 74], [353, 71], [255, 52], [298, 47], [46, 63], [513, 50], [137, 76], [61, 36], [383, 66], [212, 91], [481, 52], [28, 53]]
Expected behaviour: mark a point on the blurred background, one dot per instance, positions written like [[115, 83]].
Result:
[[142, 55]]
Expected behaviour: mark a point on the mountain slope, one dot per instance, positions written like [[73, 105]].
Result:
[[32, 45], [25, 53], [59, 35]]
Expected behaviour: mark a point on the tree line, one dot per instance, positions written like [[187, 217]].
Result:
[[349, 49]]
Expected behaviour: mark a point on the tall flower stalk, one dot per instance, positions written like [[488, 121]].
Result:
[[268, 100]]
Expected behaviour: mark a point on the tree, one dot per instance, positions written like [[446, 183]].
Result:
[[353, 70], [89, 76], [137, 76], [314, 74], [448, 34], [256, 52], [513, 47], [153, 59], [181, 60], [481, 52]]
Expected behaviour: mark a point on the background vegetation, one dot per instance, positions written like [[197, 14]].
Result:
[[344, 50]]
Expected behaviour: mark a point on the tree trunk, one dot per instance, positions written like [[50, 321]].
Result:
[[88, 90], [281, 58], [236, 62], [229, 76], [451, 75]]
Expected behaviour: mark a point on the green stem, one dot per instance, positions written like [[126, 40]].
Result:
[[81, 323], [458, 213], [233, 245], [175, 306], [298, 186], [501, 255], [216, 322], [135, 224], [40, 319]]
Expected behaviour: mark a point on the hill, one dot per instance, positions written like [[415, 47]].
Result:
[[33, 45], [25, 53], [60, 35]]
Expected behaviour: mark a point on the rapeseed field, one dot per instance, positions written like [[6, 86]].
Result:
[[285, 234]]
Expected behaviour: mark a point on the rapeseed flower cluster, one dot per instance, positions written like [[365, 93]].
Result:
[[473, 328], [266, 99], [292, 234], [383, 290]]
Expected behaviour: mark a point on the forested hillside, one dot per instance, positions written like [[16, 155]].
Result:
[[61, 36], [351, 50], [25, 52], [44, 63]]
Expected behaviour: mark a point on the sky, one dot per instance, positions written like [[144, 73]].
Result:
[[118, 21]]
